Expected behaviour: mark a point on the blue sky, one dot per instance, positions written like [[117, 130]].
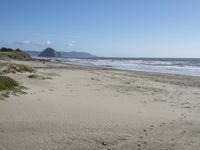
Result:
[[122, 28]]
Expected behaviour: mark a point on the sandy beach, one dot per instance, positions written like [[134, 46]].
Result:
[[72, 107]]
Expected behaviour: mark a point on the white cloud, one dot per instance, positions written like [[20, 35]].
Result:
[[71, 44], [28, 42], [25, 42], [47, 42]]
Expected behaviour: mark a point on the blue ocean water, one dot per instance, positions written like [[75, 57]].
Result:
[[180, 66]]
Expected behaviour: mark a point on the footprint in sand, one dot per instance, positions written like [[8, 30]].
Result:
[[182, 117], [145, 132], [162, 124], [183, 132], [172, 122], [151, 127], [141, 137], [141, 144]]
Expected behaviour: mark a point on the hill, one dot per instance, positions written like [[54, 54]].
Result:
[[76, 54], [13, 54], [62, 54], [49, 52], [33, 53]]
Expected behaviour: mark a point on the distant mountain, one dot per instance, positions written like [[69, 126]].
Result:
[[62, 54], [76, 54], [33, 53], [49, 52]]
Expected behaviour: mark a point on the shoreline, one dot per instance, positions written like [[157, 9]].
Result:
[[116, 69], [143, 73], [77, 107], [158, 65]]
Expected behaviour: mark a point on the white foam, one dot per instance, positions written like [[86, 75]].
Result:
[[171, 67]]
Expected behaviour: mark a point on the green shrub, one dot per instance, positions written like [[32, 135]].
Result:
[[7, 83], [13, 54], [9, 86]]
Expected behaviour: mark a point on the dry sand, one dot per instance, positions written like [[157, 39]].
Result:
[[91, 108]]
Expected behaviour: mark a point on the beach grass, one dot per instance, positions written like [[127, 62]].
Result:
[[13, 68], [7, 83], [14, 55], [9, 86]]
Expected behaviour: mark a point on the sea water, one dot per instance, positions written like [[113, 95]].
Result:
[[180, 66]]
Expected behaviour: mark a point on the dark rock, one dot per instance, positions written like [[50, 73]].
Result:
[[50, 52]]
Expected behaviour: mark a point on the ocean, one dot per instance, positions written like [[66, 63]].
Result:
[[179, 66]]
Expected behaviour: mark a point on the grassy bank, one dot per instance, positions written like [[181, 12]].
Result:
[[7, 53], [13, 68], [9, 86], [6, 83]]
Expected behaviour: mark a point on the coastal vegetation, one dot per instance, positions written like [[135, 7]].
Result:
[[7, 83], [8, 53], [13, 68], [9, 86]]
